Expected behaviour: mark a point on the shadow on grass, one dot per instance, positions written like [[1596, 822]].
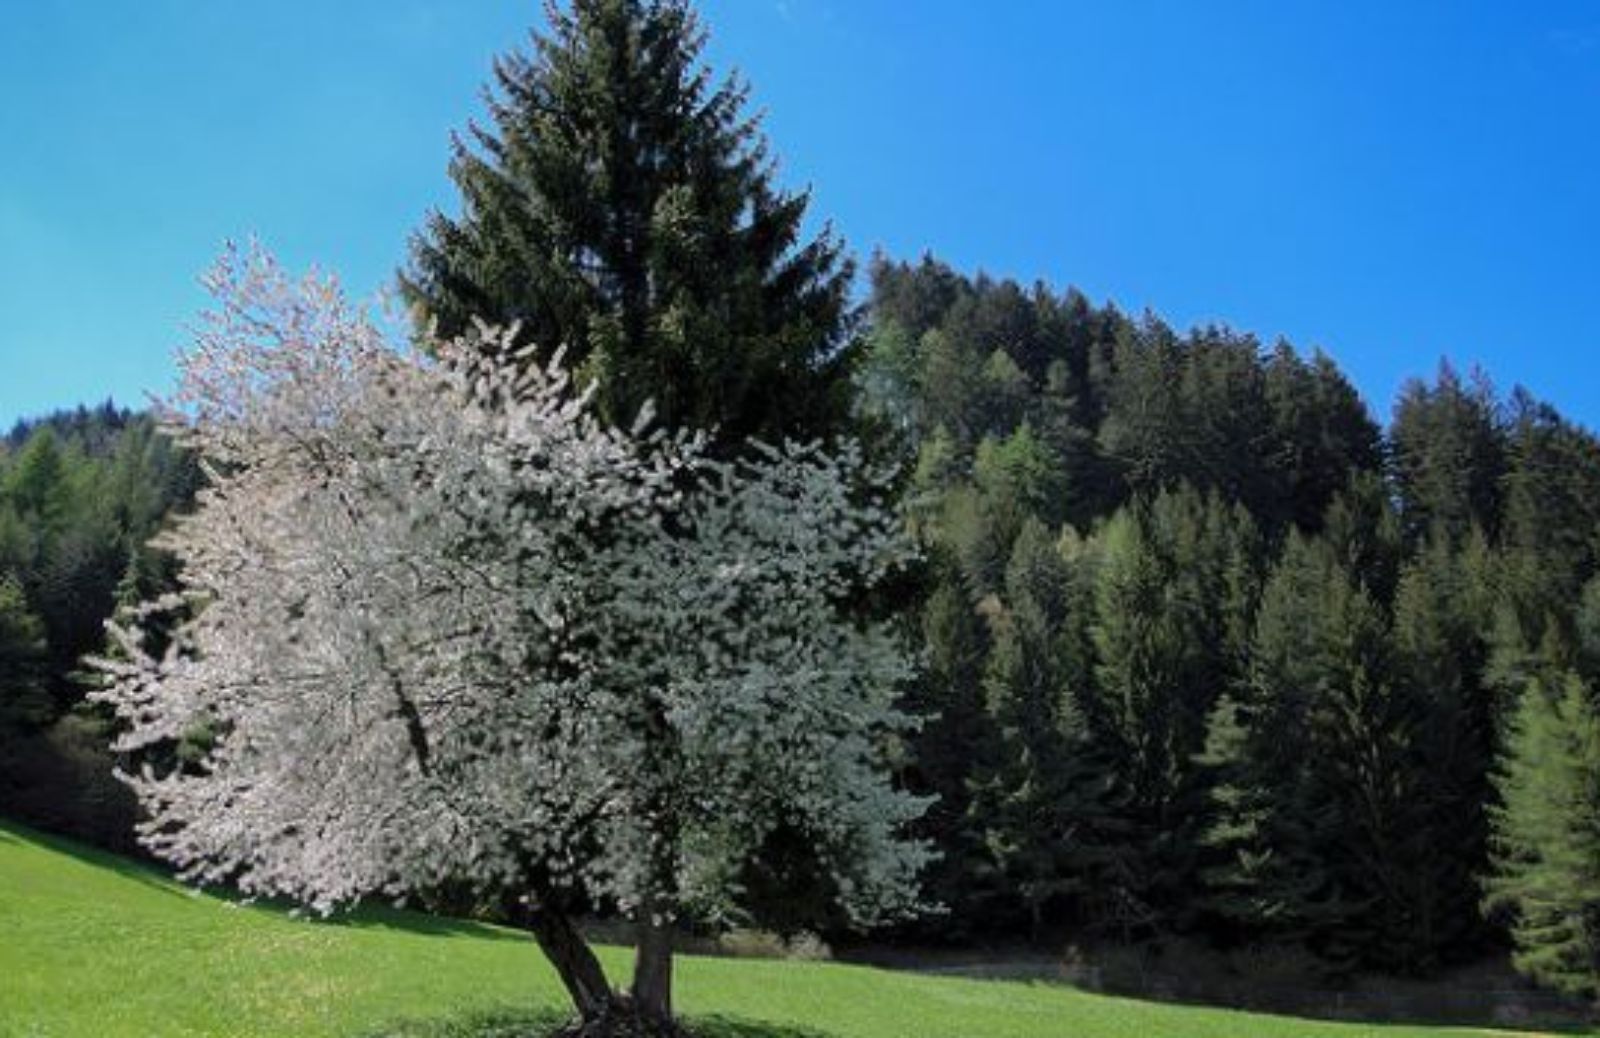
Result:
[[126, 868], [401, 920], [498, 1024], [153, 876], [1547, 1024], [730, 1027], [544, 1024]]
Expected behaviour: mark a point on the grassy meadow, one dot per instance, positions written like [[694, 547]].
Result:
[[95, 946]]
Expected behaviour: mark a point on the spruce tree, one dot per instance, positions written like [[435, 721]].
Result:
[[951, 747], [1547, 837], [1321, 430], [1552, 510], [1443, 615], [1316, 804], [1448, 448], [1269, 822], [1046, 802], [622, 205], [24, 699], [1172, 594]]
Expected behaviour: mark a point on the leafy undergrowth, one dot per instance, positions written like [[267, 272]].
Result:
[[94, 945]]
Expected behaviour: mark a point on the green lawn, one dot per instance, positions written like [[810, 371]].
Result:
[[93, 945]]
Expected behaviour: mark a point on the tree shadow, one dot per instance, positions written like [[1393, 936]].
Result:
[[546, 1024], [402, 920], [126, 868], [491, 1024], [733, 1027], [152, 876]]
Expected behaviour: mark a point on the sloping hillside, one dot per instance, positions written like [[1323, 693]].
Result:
[[97, 946]]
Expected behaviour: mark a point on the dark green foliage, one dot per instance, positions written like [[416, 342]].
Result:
[[24, 700], [1363, 532], [1316, 804], [1321, 431], [81, 493], [1443, 614], [1552, 513], [1134, 737], [1174, 594], [1047, 801], [955, 736], [1547, 836], [623, 205], [1449, 455]]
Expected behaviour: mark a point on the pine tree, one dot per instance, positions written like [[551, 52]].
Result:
[[1547, 837], [952, 745], [1269, 823], [1443, 614], [1321, 431], [1172, 597], [1552, 510], [1449, 455], [24, 699], [1316, 799], [1046, 802], [624, 207]]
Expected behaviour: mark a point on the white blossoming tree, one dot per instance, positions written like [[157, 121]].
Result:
[[438, 624]]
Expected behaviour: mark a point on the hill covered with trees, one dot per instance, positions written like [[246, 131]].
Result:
[[81, 494], [1211, 651]]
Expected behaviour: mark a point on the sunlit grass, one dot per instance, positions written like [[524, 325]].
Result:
[[92, 945]]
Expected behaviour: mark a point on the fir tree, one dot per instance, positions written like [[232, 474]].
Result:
[[24, 700], [1449, 455], [1547, 837], [1269, 823], [623, 205], [953, 744], [1443, 613], [1047, 803], [1172, 595]]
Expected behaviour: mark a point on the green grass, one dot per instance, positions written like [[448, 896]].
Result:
[[96, 946]]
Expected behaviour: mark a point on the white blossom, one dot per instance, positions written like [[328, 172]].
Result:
[[439, 622]]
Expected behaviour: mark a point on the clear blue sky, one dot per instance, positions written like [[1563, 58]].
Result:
[[1391, 181]]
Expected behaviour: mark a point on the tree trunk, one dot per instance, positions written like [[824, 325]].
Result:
[[575, 963], [652, 966]]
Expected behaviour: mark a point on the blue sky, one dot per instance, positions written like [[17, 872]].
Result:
[[1393, 182]]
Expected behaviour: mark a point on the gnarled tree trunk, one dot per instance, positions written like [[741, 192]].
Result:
[[652, 967], [575, 962]]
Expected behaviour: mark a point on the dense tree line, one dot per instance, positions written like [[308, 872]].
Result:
[[1210, 652], [81, 494]]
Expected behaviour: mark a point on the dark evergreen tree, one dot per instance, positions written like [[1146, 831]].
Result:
[[1046, 800], [623, 205], [1322, 432], [1552, 510], [1363, 531], [954, 743], [1268, 821], [1315, 831], [1546, 840], [1449, 455], [1442, 618], [24, 699], [1172, 597], [1144, 433]]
